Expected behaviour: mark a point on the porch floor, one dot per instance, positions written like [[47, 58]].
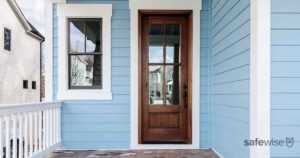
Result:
[[133, 154]]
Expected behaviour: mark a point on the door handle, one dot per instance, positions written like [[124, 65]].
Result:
[[185, 95]]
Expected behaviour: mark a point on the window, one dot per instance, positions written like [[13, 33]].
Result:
[[84, 51], [33, 85], [25, 84], [85, 54], [7, 39]]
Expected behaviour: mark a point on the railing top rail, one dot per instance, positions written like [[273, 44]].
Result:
[[27, 107]]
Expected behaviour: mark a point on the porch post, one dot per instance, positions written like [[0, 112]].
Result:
[[260, 76]]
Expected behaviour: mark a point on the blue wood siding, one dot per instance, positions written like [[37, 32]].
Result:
[[285, 75], [205, 75], [101, 124], [230, 77]]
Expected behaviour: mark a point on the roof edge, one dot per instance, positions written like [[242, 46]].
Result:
[[30, 29]]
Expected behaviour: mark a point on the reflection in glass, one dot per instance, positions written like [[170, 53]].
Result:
[[93, 35], [172, 43], [172, 85], [85, 70], [77, 37], [155, 85], [156, 43]]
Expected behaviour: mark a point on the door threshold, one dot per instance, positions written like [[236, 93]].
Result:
[[165, 142], [164, 146]]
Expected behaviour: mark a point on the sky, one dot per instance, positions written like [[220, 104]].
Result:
[[34, 12]]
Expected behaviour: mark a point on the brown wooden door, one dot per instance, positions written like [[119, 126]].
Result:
[[164, 79]]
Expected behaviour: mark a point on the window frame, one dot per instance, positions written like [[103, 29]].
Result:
[[25, 84], [33, 85], [4, 39], [64, 12], [84, 53]]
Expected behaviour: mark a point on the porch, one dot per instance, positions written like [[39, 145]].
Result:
[[197, 153], [38, 127]]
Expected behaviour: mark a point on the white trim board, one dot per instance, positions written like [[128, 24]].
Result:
[[260, 75], [135, 6], [65, 11], [48, 51]]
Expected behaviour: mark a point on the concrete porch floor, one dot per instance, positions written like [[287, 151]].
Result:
[[133, 154]]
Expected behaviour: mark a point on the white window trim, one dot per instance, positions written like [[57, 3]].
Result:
[[260, 77], [65, 11], [135, 6]]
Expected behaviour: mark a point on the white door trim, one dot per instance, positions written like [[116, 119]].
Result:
[[135, 6], [260, 76]]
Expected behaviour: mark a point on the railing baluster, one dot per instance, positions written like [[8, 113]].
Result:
[[14, 130], [51, 127], [40, 131], [30, 134], [1, 139], [35, 132], [44, 130], [7, 137], [26, 135], [59, 125], [47, 129], [20, 135]]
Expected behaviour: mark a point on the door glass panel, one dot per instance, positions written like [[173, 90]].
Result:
[[156, 43], [156, 85], [172, 85], [173, 43]]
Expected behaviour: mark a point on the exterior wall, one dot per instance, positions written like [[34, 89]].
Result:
[[101, 124], [205, 61], [285, 75], [230, 77], [21, 63]]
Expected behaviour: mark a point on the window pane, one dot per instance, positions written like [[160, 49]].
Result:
[[33, 85], [173, 43], [93, 36], [85, 71], [156, 85], [77, 37], [25, 84], [172, 85], [7, 39], [156, 43]]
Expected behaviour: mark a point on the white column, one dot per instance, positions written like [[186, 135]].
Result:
[[260, 76]]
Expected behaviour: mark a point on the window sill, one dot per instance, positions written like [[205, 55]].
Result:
[[84, 95]]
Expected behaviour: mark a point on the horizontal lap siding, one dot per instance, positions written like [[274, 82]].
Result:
[[285, 75], [102, 124], [230, 77], [205, 76]]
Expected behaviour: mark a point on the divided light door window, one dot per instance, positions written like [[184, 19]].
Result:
[[85, 53]]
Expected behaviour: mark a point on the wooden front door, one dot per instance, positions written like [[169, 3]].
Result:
[[164, 75]]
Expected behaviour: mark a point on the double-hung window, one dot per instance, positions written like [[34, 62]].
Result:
[[85, 54], [84, 51]]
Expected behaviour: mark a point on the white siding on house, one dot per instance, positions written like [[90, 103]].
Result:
[[21, 63]]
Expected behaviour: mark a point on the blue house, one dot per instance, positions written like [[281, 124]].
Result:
[[176, 74]]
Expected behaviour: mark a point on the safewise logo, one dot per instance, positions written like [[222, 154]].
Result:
[[288, 141]]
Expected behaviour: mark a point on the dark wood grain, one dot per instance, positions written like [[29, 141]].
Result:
[[165, 123]]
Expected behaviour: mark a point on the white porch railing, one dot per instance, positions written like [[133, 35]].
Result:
[[29, 130]]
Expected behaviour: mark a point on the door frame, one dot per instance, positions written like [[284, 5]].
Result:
[[142, 47], [142, 7]]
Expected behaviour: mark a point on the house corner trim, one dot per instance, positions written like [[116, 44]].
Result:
[[260, 76]]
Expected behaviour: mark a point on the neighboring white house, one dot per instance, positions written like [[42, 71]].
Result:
[[20, 49]]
